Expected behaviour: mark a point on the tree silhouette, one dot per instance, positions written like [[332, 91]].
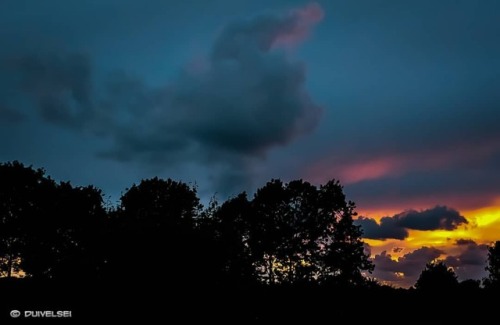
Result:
[[341, 247], [470, 285], [296, 233], [22, 197], [282, 231], [74, 227], [48, 230], [493, 280], [437, 276], [225, 232], [288, 236], [153, 230]]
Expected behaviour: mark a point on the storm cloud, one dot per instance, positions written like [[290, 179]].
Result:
[[9, 115], [247, 97], [386, 229], [227, 109], [437, 218], [58, 85]]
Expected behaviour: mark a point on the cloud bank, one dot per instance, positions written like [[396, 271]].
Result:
[[405, 270], [245, 98], [468, 263], [396, 227]]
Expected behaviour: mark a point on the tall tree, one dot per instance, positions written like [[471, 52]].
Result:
[[66, 242], [154, 230], [48, 230], [302, 233], [493, 279], [226, 232], [340, 247], [22, 193]]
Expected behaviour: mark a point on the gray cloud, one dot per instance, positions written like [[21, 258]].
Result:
[[413, 95], [404, 271], [409, 81], [228, 110], [462, 241], [439, 217], [470, 262], [9, 115], [387, 228], [59, 85], [247, 97], [476, 187]]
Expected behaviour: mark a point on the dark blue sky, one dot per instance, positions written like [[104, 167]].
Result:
[[397, 99]]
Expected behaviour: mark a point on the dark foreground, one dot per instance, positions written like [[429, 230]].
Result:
[[169, 303]]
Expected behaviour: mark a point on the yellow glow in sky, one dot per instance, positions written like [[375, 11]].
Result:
[[483, 227]]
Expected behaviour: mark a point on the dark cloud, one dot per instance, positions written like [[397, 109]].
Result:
[[227, 110], [59, 85], [397, 249], [474, 255], [405, 270], [386, 269], [416, 94], [476, 187], [470, 262], [462, 241], [439, 217], [413, 263], [395, 227], [8, 115], [248, 96], [387, 228], [417, 82]]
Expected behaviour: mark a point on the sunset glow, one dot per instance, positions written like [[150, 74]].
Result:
[[398, 101], [482, 228]]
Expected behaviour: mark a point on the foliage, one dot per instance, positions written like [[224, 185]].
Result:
[[288, 233], [493, 280], [294, 233], [436, 276], [47, 229]]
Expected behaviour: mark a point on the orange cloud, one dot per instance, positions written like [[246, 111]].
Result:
[[483, 228], [480, 209]]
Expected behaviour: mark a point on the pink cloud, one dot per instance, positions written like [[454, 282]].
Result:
[[376, 167], [303, 21], [373, 169], [354, 172]]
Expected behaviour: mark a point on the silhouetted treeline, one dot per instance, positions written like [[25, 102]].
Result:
[[287, 238], [288, 233]]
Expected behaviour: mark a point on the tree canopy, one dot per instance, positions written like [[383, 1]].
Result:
[[437, 276], [48, 229], [493, 267], [289, 242], [287, 233]]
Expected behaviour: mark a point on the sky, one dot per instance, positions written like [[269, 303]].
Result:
[[398, 100]]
